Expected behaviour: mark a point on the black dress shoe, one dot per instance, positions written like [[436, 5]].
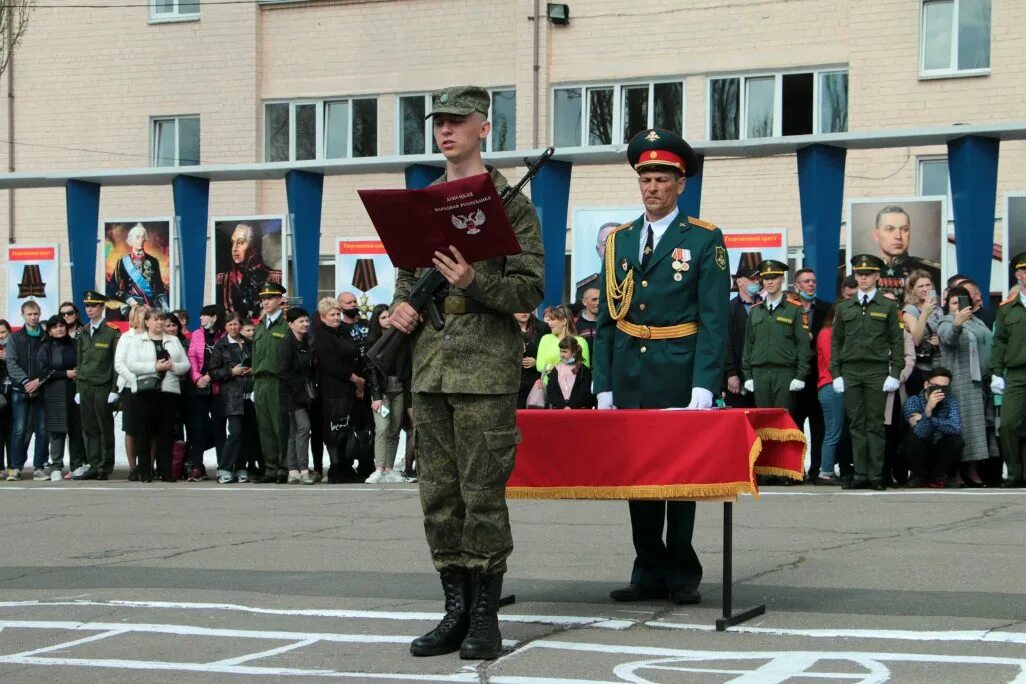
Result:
[[268, 479], [685, 597], [637, 592], [102, 476], [854, 484], [876, 486], [283, 477]]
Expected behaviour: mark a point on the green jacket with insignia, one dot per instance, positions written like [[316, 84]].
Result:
[[95, 357], [863, 340], [1009, 337], [481, 353], [776, 340], [660, 373], [265, 346]]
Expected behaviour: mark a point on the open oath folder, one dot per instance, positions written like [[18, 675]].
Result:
[[465, 213]]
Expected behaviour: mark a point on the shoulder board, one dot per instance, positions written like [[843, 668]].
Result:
[[927, 262], [756, 304], [1010, 300], [792, 298], [113, 327], [621, 227], [700, 223]]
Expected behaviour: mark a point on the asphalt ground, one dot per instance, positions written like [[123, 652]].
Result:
[[126, 582]]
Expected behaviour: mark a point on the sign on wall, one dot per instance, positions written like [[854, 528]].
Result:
[[33, 274], [362, 267], [749, 246]]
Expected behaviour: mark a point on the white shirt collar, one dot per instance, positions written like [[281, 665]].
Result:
[[860, 295], [774, 303], [271, 318], [1022, 298], [659, 227]]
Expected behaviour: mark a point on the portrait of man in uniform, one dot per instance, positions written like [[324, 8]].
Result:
[[591, 227], [907, 234], [138, 269], [247, 255]]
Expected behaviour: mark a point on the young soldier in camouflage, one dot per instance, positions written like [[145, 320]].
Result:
[[465, 382]]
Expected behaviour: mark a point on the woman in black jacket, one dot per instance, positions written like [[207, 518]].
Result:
[[229, 368], [341, 384], [56, 361], [532, 330], [296, 388], [5, 408]]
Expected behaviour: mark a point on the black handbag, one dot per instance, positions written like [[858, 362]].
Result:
[[150, 383]]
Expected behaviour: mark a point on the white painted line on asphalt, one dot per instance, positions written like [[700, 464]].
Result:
[[69, 644], [980, 635], [266, 654]]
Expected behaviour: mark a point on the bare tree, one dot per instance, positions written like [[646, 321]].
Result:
[[14, 18]]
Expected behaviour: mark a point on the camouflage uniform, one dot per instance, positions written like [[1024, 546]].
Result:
[[465, 382]]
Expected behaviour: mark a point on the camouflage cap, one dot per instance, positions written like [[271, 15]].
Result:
[[460, 101]]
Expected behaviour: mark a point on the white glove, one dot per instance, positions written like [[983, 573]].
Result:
[[749, 385], [891, 384], [605, 401], [701, 398], [839, 385], [249, 397], [78, 399], [112, 398], [797, 385], [997, 384]]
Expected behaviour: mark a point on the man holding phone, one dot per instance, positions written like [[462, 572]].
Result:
[[934, 446]]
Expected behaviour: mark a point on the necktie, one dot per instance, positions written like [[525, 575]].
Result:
[[646, 254]]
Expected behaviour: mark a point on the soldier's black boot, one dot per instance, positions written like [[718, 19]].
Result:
[[450, 632], [483, 642]]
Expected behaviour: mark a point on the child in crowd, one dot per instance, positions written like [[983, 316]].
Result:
[[569, 383]]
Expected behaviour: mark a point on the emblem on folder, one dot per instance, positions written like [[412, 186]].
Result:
[[471, 222]]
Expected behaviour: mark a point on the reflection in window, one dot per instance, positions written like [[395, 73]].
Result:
[[955, 35], [635, 111], [833, 104], [306, 132], [760, 105], [276, 132], [669, 107], [336, 129], [724, 108], [504, 120], [413, 111], [365, 127], [600, 116], [567, 114]]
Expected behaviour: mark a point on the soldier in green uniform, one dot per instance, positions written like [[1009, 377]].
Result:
[[465, 383], [867, 354], [270, 332], [96, 385], [1008, 365], [777, 352], [660, 343]]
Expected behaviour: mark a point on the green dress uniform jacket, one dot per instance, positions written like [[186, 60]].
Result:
[[651, 373], [776, 352], [265, 346], [1008, 359], [95, 380], [96, 357], [271, 421]]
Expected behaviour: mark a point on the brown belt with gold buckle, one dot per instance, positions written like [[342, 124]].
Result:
[[457, 304], [652, 332]]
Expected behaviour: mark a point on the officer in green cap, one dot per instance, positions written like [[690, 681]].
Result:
[[96, 384], [1008, 365], [776, 356], [660, 343], [867, 354], [465, 383], [270, 332]]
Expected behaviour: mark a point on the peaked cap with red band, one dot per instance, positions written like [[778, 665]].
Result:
[[655, 147]]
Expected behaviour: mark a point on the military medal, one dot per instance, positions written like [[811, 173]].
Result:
[[684, 266], [623, 264], [678, 277], [677, 265]]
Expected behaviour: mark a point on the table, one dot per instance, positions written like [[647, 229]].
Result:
[[709, 455]]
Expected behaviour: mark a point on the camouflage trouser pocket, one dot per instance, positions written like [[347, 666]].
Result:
[[501, 446]]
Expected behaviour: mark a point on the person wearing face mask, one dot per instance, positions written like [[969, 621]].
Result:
[[748, 295], [569, 383], [204, 410], [806, 401], [362, 416], [934, 444]]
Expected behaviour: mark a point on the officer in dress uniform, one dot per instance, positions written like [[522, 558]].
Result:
[[867, 354], [776, 356], [661, 335], [271, 420], [1008, 365], [96, 385]]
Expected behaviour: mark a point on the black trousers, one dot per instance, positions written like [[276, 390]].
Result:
[[230, 458], [315, 411], [895, 458], [204, 415], [154, 422], [933, 461], [806, 406], [672, 565]]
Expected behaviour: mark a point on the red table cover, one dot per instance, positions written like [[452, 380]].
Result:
[[651, 454]]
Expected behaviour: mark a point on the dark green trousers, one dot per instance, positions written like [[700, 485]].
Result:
[[1013, 419], [772, 387], [97, 428], [466, 445], [268, 418], [864, 401]]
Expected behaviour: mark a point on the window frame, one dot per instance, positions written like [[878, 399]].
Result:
[[320, 136], [952, 70], [778, 98], [155, 140], [429, 133], [174, 16], [617, 122]]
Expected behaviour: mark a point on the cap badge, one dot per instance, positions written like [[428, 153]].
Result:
[[653, 154], [443, 98], [652, 137]]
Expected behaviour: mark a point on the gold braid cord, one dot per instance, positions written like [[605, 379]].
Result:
[[622, 291]]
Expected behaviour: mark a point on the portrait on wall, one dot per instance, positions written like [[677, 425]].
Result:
[[248, 251], [908, 233], [33, 274], [591, 228], [1015, 235], [362, 267], [746, 248], [137, 263]]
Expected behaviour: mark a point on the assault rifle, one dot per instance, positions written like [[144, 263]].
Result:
[[425, 294]]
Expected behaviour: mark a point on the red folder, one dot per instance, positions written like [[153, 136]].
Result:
[[465, 213]]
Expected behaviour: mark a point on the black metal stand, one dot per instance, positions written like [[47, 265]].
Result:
[[730, 618]]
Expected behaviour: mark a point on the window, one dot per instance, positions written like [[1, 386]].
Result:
[[613, 114], [415, 132], [326, 277], [770, 105], [933, 176], [321, 129], [955, 37], [174, 10], [176, 141]]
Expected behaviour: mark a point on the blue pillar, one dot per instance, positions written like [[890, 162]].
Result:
[[192, 201], [550, 192], [973, 167], [421, 175], [305, 191], [690, 201], [82, 201], [821, 190]]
